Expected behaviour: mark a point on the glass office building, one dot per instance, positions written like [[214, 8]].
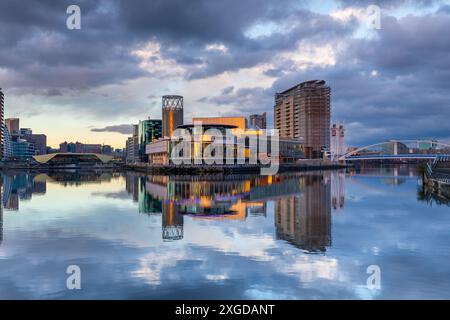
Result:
[[148, 131]]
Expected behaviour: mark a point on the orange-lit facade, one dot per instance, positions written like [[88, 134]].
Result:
[[172, 114], [239, 122]]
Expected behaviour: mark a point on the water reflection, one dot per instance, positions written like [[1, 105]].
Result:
[[234, 236], [305, 219], [302, 202], [21, 186]]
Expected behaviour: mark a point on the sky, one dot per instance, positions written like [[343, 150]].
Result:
[[226, 58]]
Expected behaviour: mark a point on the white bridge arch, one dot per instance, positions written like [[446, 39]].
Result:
[[395, 147]]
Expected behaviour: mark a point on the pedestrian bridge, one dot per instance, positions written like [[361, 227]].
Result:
[[399, 150]]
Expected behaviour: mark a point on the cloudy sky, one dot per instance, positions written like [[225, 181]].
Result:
[[226, 58]]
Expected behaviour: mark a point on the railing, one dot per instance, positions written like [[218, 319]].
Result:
[[428, 170]]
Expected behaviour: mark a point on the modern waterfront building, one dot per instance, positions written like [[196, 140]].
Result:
[[22, 149], [304, 111], [87, 159], [258, 121], [148, 131], [2, 126], [239, 122], [290, 150], [158, 151], [7, 144], [201, 140], [172, 113]]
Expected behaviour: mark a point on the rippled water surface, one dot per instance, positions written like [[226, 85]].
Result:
[[294, 236]]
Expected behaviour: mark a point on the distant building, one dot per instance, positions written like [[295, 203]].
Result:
[[149, 130], [79, 147], [394, 148], [25, 131], [39, 141], [132, 146], [172, 114], [52, 150], [13, 125], [304, 111], [258, 121], [239, 122], [337, 142], [66, 147], [107, 149], [89, 148], [426, 144]]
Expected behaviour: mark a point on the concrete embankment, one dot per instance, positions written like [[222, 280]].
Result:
[[436, 177], [232, 169]]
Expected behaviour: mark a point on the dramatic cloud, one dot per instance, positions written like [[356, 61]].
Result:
[[229, 57], [121, 128]]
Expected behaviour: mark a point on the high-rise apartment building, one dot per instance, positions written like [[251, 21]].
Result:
[[258, 121], [304, 112], [2, 126], [172, 114]]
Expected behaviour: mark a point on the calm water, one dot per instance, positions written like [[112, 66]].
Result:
[[294, 236]]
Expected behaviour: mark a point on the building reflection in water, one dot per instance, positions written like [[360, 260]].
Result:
[[1, 211], [302, 202], [305, 219], [338, 189], [21, 187], [389, 174], [172, 222]]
